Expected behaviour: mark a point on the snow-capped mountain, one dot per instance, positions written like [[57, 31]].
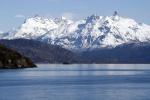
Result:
[[92, 32]]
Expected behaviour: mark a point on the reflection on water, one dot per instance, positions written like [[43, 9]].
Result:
[[76, 82]]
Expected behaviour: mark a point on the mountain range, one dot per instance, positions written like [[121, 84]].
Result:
[[95, 39], [89, 33]]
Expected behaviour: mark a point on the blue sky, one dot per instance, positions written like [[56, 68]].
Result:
[[14, 12]]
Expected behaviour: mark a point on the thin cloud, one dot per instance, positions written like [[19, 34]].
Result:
[[19, 16]]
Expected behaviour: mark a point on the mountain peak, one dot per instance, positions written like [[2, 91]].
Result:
[[116, 16], [93, 17], [36, 15], [115, 13], [63, 18], [60, 19]]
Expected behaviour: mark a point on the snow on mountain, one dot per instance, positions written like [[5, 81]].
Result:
[[92, 32], [34, 28]]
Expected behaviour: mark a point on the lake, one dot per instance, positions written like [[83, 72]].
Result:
[[76, 82]]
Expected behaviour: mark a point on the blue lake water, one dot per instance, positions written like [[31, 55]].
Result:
[[76, 82]]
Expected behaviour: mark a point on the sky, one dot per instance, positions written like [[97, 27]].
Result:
[[14, 12]]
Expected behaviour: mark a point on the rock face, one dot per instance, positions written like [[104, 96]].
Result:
[[10, 59]]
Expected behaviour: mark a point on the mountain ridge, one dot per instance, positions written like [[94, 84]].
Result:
[[41, 52], [91, 32]]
